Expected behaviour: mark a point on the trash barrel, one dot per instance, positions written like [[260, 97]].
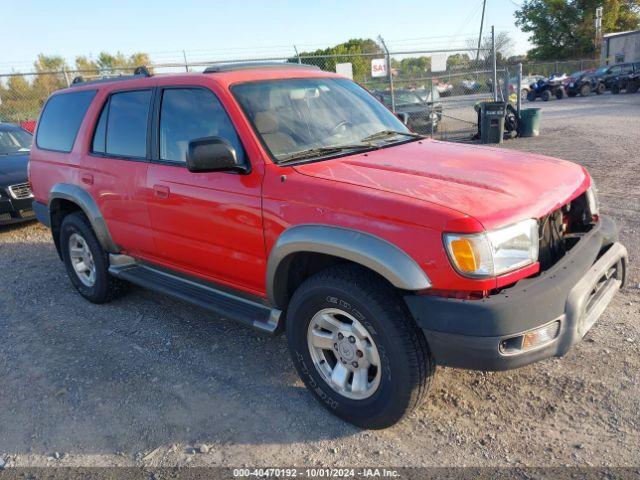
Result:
[[492, 122], [530, 122]]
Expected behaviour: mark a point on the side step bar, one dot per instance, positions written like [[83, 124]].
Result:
[[225, 304]]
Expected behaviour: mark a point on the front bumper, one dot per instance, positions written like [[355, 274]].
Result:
[[15, 211], [574, 292]]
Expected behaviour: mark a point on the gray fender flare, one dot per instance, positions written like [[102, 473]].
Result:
[[368, 250], [75, 194]]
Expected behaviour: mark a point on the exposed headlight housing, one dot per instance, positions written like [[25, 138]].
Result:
[[493, 253], [592, 201]]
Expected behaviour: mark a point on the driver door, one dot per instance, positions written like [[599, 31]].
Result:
[[205, 224]]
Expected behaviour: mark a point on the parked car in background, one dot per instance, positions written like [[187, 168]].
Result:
[[15, 192], [422, 116], [603, 78], [470, 86], [578, 83], [289, 199], [525, 85], [629, 81], [445, 89]]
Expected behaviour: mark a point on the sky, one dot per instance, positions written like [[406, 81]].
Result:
[[235, 29]]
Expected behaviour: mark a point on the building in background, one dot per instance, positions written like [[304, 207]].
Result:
[[621, 47]]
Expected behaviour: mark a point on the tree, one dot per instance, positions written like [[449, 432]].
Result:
[[357, 51], [565, 29], [504, 44], [119, 63]]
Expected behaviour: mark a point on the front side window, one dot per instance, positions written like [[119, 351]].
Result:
[[61, 119], [190, 113], [306, 116], [122, 127]]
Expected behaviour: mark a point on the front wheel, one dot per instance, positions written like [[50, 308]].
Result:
[[585, 90], [545, 96], [601, 88], [531, 96], [356, 347]]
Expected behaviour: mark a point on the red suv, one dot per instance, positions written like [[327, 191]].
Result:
[[289, 198]]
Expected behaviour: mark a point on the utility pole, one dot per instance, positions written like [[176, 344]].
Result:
[[494, 64], [484, 4], [598, 39]]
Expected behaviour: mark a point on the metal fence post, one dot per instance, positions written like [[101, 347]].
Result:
[[389, 74], [186, 64], [494, 66], [519, 101], [297, 54], [66, 77]]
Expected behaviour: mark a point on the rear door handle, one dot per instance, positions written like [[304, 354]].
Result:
[[87, 178], [161, 191]]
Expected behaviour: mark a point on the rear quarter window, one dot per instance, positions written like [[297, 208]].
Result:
[[61, 119]]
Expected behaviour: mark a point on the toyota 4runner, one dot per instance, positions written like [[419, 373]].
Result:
[[290, 199]]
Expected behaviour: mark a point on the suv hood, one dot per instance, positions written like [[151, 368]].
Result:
[[13, 169], [495, 186]]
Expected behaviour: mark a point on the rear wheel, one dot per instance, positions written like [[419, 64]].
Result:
[[560, 93], [356, 347], [86, 261], [531, 96], [546, 95], [601, 88], [633, 87], [615, 89]]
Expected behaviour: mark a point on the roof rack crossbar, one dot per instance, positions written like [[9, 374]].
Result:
[[230, 67], [139, 72]]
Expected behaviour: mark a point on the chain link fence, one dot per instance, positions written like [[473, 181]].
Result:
[[435, 91]]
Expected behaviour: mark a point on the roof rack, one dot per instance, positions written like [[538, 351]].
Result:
[[230, 67], [139, 72]]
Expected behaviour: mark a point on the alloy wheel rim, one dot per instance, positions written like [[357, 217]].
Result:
[[82, 260], [344, 353]]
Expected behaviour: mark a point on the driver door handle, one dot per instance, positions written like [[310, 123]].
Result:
[[161, 191]]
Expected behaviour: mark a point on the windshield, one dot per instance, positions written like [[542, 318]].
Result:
[[294, 116], [601, 71], [14, 140]]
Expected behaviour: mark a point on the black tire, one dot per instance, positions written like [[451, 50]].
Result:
[[585, 90], [105, 288], [560, 93], [615, 89], [633, 87], [601, 88], [531, 96], [546, 95], [407, 366]]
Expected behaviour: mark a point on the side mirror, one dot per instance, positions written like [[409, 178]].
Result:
[[403, 116], [213, 154]]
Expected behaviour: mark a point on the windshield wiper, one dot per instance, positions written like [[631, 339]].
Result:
[[388, 133], [317, 151]]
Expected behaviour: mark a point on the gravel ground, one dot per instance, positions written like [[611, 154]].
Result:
[[149, 381]]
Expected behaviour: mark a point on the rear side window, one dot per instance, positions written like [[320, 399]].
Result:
[[61, 119], [122, 127]]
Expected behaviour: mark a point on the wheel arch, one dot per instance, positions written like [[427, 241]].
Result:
[[64, 199], [327, 245]]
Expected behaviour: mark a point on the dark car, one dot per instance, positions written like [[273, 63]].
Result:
[[604, 77], [629, 80], [15, 192], [578, 83], [422, 116]]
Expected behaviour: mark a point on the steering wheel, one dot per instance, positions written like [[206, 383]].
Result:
[[341, 127]]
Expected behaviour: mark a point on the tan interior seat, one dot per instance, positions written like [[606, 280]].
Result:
[[277, 141]]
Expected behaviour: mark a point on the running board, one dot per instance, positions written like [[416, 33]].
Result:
[[248, 312]]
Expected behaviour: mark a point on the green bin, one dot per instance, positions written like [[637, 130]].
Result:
[[492, 122], [530, 122]]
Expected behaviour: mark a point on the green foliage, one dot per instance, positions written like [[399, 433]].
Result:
[[22, 96], [562, 29], [351, 51]]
